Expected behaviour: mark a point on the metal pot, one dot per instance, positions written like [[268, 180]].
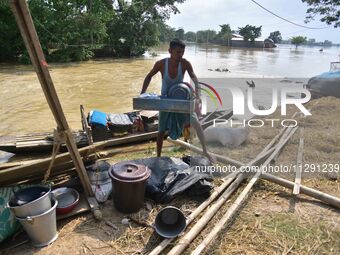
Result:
[[179, 91], [42, 228], [67, 198], [30, 201]]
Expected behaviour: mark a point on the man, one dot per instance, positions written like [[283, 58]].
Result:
[[173, 70]]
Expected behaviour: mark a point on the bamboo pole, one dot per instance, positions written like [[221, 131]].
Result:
[[324, 197], [298, 169], [24, 20], [184, 242], [160, 247], [242, 197], [198, 150]]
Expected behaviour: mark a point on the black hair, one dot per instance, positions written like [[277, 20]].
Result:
[[176, 43]]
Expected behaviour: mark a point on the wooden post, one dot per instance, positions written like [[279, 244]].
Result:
[[30, 37]]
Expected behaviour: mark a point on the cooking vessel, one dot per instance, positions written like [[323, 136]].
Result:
[[30, 201], [179, 91], [67, 198], [42, 228]]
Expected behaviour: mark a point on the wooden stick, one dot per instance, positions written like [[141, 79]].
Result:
[[324, 197], [298, 169], [24, 20], [198, 150], [211, 212], [160, 247], [241, 198], [184, 242]]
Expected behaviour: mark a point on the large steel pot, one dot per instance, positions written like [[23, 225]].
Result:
[[42, 228], [30, 201]]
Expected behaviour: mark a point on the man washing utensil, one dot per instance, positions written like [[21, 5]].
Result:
[[173, 70]]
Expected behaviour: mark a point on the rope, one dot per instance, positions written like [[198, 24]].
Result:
[[57, 140]]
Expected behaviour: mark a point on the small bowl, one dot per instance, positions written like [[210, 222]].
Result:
[[68, 199]]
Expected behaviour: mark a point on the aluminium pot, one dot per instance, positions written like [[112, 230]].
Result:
[[42, 228], [30, 201], [129, 181], [67, 198]]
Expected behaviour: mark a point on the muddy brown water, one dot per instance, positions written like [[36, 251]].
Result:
[[110, 84]]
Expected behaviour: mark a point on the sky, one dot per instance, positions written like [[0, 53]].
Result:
[[209, 14]]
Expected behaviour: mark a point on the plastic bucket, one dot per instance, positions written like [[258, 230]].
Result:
[[129, 181], [41, 229]]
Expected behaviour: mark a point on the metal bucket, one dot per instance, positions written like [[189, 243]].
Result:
[[41, 229], [37, 206], [170, 222]]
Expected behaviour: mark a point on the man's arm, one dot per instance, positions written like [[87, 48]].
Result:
[[194, 79], [156, 68]]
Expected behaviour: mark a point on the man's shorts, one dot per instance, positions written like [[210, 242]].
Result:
[[174, 122]]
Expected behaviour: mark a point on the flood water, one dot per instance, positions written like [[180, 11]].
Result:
[[110, 84]]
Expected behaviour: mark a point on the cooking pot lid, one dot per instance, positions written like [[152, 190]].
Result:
[[130, 171]]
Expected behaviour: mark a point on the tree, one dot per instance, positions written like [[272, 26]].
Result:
[[297, 40], [190, 36], [166, 33], [205, 36], [73, 30], [329, 10], [275, 36], [250, 32], [180, 33], [225, 34], [135, 25]]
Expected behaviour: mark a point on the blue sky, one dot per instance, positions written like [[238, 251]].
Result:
[[209, 14]]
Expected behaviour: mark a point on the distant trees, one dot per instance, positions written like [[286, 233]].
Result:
[[225, 34], [275, 36], [205, 36], [190, 36], [250, 32], [179, 33], [329, 10], [166, 33], [297, 40]]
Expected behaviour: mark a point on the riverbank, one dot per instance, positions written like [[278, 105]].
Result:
[[270, 222]]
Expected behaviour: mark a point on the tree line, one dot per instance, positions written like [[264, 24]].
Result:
[[77, 30], [249, 33]]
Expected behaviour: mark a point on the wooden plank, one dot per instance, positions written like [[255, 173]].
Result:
[[298, 170]]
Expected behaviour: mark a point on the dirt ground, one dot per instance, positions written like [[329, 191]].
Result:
[[272, 221]]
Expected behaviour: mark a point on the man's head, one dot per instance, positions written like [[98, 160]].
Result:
[[176, 49]]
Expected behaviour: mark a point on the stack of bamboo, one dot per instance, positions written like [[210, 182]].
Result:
[[230, 184]]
